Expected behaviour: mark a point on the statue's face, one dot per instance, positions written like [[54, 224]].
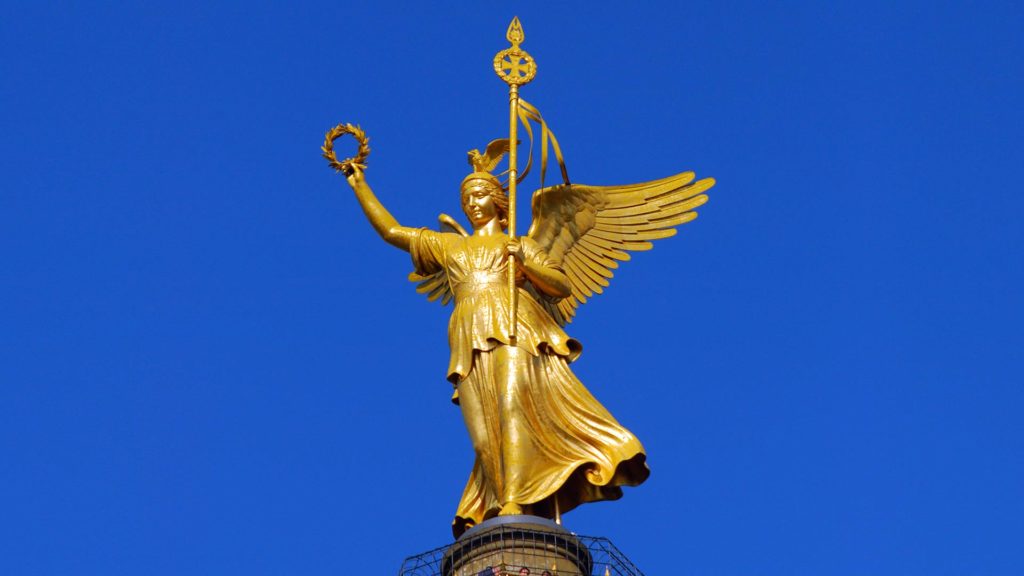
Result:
[[478, 203]]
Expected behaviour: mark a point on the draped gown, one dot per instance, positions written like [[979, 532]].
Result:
[[538, 434]]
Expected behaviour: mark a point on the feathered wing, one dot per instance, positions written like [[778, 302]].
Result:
[[588, 230], [435, 285]]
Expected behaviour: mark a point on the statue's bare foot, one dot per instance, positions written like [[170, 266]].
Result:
[[510, 508]]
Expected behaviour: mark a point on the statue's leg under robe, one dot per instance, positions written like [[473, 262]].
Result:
[[480, 410], [518, 451], [538, 432]]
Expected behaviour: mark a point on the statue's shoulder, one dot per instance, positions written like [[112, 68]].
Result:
[[439, 235], [531, 247], [529, 243]]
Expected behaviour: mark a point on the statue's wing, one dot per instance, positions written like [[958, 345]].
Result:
[[435, 285], [589, 229]]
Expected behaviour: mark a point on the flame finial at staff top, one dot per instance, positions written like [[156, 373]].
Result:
[[515, 32]]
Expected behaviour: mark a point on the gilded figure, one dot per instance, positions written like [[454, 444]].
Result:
[[543, 444]]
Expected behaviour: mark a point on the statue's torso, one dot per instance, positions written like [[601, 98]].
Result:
[[477, 271]]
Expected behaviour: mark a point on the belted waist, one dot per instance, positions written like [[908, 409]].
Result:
[[475, 280]]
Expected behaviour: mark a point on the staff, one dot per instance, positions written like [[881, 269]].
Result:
[[515, 67]]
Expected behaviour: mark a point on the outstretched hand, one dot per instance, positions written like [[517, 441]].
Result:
[[356, 178]]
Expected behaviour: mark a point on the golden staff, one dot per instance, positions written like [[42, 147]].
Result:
[[515, 67]]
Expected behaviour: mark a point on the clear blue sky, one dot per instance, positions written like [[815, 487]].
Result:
[[209, 364]]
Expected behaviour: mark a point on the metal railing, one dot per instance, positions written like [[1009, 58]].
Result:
[[525, 552]]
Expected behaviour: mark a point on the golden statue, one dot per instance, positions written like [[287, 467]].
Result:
[[543, 444]]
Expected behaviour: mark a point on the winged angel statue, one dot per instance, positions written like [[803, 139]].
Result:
[[543, 443]]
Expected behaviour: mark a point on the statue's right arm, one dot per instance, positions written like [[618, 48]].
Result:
[[382, 221]]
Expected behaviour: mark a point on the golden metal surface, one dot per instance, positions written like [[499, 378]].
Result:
[[348, 164], [516, 68], [543, 443]]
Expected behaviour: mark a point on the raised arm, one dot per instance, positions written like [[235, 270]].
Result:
[[382, 221]]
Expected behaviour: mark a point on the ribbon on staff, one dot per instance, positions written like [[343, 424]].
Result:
[[528, 112]]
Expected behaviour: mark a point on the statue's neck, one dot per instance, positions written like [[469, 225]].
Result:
[[492, 228]]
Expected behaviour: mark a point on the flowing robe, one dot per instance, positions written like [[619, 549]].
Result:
[[538, 434]]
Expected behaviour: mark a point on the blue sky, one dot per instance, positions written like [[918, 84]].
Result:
[[209, 364]]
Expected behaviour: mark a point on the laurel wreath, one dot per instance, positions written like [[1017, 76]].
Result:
[[515, 54], [348, 165]]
